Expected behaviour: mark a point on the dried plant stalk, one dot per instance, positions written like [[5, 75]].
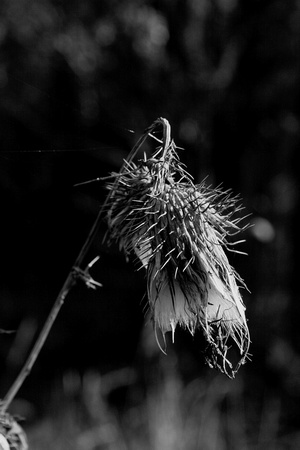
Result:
[[179, 232], [75, 274]]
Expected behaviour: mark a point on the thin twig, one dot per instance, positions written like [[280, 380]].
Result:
[[70, 282]]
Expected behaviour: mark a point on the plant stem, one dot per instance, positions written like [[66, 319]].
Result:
[[72, 278], [69, 283], [67, 286]]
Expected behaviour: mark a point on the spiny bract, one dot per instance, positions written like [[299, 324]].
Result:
[[179, 231]]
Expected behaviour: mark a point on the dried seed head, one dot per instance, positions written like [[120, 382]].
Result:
[[179, 232], [12, 435], [4, 445]]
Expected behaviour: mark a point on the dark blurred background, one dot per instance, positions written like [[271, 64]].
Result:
[[79, 82]]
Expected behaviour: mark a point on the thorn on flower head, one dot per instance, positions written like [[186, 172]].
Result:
[[179, 231]]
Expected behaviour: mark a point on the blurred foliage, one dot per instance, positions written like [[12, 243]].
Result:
[[208, 413], [75, 79]]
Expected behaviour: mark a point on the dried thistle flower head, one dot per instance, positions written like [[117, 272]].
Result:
[[179, 232], [12, 435]]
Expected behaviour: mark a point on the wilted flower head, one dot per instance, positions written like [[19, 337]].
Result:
[[179, 231], [12, 435]]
